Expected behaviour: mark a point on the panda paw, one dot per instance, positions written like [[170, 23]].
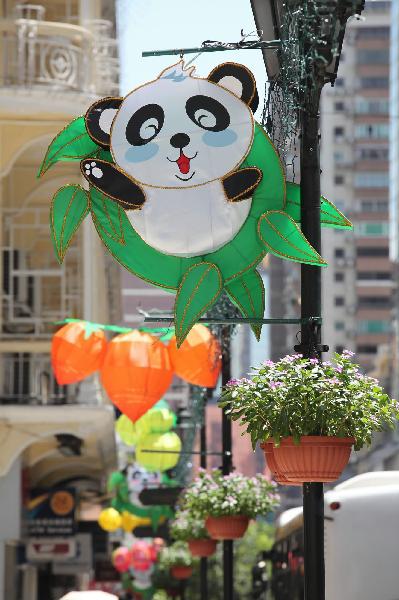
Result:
[[241, 184], [113, 183], [92, 170]]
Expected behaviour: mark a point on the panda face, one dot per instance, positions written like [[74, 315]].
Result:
[[181, 131]]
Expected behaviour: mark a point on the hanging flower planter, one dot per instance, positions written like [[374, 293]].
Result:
[[267, 448], [224, 504], [181, 572], [313, 411], [227, 528], [203, 547], [315, 458]]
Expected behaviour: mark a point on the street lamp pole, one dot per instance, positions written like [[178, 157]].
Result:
[[313, 499], [227, 464]]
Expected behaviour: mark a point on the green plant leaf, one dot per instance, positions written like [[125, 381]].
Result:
[[282, 237], [68, 209], [330, 216], [107, 216], [72, 143], [198, 290], [248, 293]]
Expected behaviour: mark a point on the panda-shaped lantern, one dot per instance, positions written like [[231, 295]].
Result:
[[186, 190]]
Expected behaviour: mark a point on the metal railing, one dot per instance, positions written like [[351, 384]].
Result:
[[44, 54], [28, 379]]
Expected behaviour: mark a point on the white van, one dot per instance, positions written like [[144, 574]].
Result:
[[361, 542]]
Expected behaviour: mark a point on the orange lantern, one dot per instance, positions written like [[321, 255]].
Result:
[[198, 360], [77, 351], [136, 372]]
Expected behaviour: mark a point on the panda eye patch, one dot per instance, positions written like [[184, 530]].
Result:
[[207, 113], [145, 124]]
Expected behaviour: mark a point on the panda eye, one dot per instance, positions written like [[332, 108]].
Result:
[[207, 113], [145, 124]]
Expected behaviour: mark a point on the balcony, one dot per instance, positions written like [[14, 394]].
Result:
[[27, 379], [39, 54]]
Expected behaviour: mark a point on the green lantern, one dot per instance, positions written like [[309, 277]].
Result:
[[166, 449], [186, 190]]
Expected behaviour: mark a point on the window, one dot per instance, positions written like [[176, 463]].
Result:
[[339, 252], [339, 301], [374, 205], [371, 179], [339, 106], [373, 326], [373, 276], [372, 33], [375, 251], [374, 82], [339, 179], [379, 106], [372, 228], [372, 131], [373, 153], [366, 349], [373, 57], [339, 157], [339, 132], [374, 302], [339, 326], [339, 276]]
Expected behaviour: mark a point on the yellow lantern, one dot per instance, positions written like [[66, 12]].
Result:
[[110, 519], [130, 522], [167, 447], [156, 420], [126, 430]]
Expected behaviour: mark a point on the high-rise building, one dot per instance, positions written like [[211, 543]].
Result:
[[57, 57], [358, 284]]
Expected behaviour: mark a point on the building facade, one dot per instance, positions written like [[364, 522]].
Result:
[[358, 285], [56, 58]]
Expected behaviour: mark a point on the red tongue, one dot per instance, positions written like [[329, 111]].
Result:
[[183, 163]]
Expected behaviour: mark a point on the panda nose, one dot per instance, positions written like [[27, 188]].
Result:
[[179, 140]]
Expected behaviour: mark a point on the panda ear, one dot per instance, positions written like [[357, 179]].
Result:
[[237, 79], [99, 119]]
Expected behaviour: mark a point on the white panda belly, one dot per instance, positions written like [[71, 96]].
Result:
[[189, 222]]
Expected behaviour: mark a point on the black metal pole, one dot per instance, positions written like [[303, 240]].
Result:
[[313, 501], [227, 465], [203, 464]]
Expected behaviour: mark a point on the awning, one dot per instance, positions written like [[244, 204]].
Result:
[[31, 431]]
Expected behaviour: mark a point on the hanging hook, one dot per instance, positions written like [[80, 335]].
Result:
[[181, 54]]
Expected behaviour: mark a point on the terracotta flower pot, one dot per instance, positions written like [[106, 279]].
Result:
[[267, 448], [202, 547], [227, 528], [316, 458], [181, 572]]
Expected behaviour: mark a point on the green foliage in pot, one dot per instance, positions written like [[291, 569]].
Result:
[[216, 495], [297, 396], [176, 555], [187, 525]]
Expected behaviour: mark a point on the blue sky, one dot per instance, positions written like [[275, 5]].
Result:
[[164, 24]]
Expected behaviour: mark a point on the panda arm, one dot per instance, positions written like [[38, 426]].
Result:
[[241, 184], [112, 182]]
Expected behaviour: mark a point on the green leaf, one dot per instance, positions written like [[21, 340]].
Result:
[[198, 290], [72, 143], [107, 216], [248, 293], [330, 216], [282, 237], [68, 209]]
